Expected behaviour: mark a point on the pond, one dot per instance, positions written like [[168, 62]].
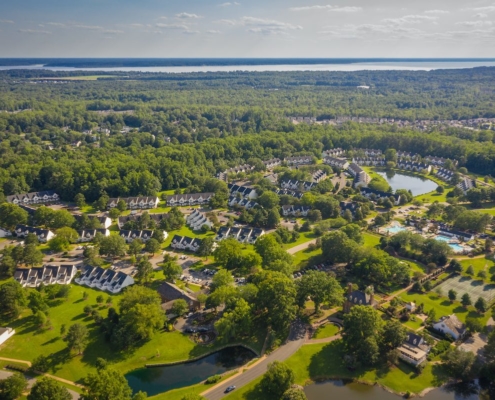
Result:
[[416, 184], [357, 391], [161, 379]]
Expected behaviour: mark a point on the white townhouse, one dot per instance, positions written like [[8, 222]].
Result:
[[445, 174], [144, 235], [413, 166], [185, 243], [104, 279], [333, 152], [295, 211], [43, 235], [301, 186], [45, 197], [370, 161], [361, 178], [134, 203], [87, 235], [299, 160], [189, 199], [241, 202], [373, 194], [48, 275], [242, 235], [466, 184], [196, 220], [242, 191], [336, 162], [274, 162]]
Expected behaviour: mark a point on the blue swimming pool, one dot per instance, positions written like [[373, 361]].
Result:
[[456, 247], [395, 229]]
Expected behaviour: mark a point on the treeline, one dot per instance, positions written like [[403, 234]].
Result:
[[136, 164]]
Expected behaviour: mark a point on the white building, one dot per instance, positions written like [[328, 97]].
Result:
[[189, 199], [104, 279], [5, 233], [87, 235], [45, 197], [133, 203], [43, 235], [48, 275], [196, 220], [450, 325], [413, 350], [336, 162], [6, 333]]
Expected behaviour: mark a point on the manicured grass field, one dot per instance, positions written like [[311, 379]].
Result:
[[185, 231], [443, 306], [301, 257], [327, 330], [324, 361], [29, 342], [305, 237], [479, 264], [371, 240]]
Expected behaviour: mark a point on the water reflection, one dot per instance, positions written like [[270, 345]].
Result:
[[356, 391], [161, 379], [416, 184]]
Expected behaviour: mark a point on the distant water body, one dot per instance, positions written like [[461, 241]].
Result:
[[247, 65]]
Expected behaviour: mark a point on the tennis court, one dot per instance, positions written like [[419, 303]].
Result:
[[475, 288]]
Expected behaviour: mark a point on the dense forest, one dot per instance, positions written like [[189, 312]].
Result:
[[181, 128]]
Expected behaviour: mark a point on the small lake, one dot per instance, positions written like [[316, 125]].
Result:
[[357, 391], [161, 379], [416, 184]]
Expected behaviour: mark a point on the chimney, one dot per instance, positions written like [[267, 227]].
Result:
[[372, 296], [349, 288]]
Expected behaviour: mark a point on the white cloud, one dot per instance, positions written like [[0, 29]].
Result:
[[475, 23], [348, 9], [136, 25], [229, 4], [89, 27], [483, 9], [34, 32], [113, 31], [58, 24], [480, 15], [172, 26], [185, 15], [213, 32], [437, 12], [230, 22], [410, 19], [6, 21], [268, 26], [188, 32]]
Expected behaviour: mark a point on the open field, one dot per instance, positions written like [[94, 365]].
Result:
[[479, 264], [80, 78], [475, 288], [443, 306]]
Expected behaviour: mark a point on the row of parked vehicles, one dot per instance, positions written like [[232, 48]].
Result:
[[318, 267]]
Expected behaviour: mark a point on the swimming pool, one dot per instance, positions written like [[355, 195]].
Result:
[[396, 228], [456, 247]]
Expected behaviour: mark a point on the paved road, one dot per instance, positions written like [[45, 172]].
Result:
[[296, 340], [300, 247]]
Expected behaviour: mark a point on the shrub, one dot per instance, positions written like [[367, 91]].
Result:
[[213, 379]]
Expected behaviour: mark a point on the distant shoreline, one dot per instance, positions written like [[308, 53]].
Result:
[[218, 62]]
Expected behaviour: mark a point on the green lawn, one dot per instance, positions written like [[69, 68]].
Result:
[[305, 237], [443, 306], [301, 258], [414, 323], [370, 239], [326, 331], [486, 208], [185, 231], [318, 362], [164, 347], [479, 264]]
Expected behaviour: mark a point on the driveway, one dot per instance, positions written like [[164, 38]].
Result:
[[296, 339], [300, 247]]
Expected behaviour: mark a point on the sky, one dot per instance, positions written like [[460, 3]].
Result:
[[247, 28]]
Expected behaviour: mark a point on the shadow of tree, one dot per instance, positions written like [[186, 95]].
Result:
[[51, 341]]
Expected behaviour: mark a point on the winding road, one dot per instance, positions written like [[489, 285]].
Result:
[[296, 339]]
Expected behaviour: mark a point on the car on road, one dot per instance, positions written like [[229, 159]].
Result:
[[229, 389]]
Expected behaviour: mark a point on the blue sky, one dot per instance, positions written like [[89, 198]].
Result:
[[254, 28]]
